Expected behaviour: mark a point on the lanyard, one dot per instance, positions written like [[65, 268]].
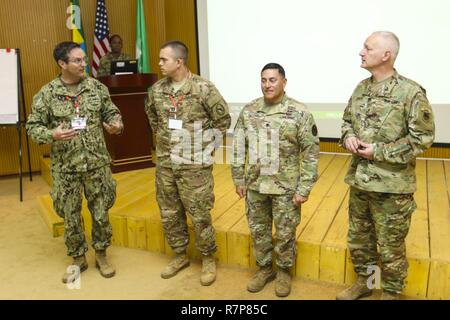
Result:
[[76, 103], [175, 104]]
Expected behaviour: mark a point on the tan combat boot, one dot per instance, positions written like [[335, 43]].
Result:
[[357, 290], [386, 295], [262, 277], [81, 263], [106, 269], [283, 283], [180, 262], [208, 270]]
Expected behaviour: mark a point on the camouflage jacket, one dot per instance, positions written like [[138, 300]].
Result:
[[54, 105], [275, 148], [396, 117], [205, 117], [104, 68]]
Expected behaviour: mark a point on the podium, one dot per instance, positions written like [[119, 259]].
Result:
[[133, 149]]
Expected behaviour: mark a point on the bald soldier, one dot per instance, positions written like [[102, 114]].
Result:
[[184, 110], [276, 150], [387, 123]]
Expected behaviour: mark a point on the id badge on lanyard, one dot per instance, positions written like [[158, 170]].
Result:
[[77, 123], [175, 123]]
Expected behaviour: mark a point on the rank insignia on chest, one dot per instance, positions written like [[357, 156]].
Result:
[[290, 112]]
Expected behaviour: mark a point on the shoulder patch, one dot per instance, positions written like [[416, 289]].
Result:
[[426, 115], [314, 130]]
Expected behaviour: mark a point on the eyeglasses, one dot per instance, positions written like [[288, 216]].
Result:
[[79, 61]]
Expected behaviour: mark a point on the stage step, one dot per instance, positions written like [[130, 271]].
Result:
[[322, 252], [54, 222]]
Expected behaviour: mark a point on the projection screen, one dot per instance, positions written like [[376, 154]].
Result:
[[318, 43]]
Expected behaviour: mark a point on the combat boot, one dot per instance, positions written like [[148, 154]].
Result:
[[79, 262], [283, 283], [262, 277], [208, 270], [180, 262], [386, 295], [357, 290], [106, 269]]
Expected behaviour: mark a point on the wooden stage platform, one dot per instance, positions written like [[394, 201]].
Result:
[[321, 237]]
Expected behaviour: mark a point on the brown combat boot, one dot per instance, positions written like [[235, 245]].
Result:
[[386, 295], [180, 262], [208, 271], [357, 290], [283, 283], [106, 269], [81, 263], [262, 277]]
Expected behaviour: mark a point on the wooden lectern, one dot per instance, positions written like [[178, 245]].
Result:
[[133, 149]]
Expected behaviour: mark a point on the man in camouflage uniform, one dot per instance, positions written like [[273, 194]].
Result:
[[104, 68], [275, 155], [184, 110], [69, 112], [387, 123]]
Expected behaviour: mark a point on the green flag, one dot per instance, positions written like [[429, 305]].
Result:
[[141, 40]]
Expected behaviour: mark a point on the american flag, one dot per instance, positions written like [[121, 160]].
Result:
[[101, 38]]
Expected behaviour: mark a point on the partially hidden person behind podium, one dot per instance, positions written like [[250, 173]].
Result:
[[68, 113], [184, 103], [116, 53]]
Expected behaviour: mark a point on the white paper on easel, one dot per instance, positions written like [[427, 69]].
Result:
[[9, 111]]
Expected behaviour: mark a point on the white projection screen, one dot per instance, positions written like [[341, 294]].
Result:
[[318, 43]]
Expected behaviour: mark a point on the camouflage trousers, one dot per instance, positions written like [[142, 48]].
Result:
[[261, 210], [382, 218], [100, 192], [186, 191]]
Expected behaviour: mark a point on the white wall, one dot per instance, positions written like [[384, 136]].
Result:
[[318, 42]]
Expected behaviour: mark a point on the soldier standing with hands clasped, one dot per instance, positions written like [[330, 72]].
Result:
[[387, 123]]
